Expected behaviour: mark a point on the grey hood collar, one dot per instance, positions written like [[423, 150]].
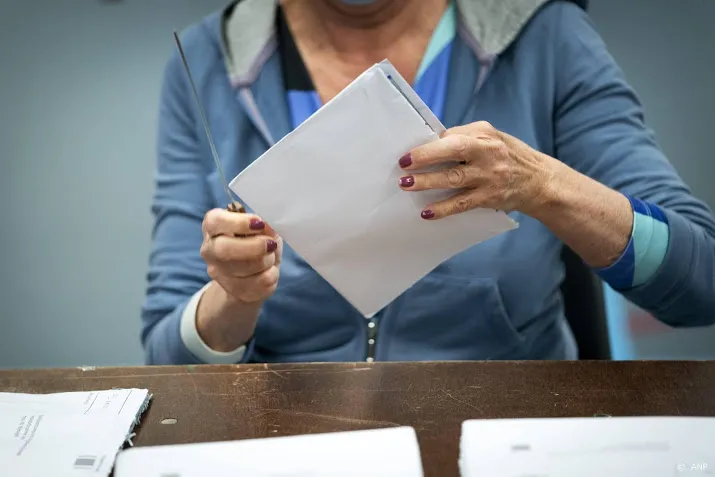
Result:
[[487, 26]]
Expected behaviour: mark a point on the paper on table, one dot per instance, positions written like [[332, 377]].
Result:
[[589, 447], [392, 452], [329, 188], [66, 434]]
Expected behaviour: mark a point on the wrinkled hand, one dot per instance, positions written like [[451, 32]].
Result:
[[488, 168], [242, 254]]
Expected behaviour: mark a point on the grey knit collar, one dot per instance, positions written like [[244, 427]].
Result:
[[487, 26]]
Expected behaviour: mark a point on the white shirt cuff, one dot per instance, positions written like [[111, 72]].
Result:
[[192, 340]]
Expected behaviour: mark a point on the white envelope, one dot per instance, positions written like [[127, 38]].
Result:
[[392, 452], [72, 434], [330, 189], [589, 447]]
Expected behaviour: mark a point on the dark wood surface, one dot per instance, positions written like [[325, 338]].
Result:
[[213, 403]]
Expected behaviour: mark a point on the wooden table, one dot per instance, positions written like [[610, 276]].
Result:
[[213, 403]]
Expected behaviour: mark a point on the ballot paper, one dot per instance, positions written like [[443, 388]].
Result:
[[392, 452], [589, 447], [66, 434], [330, 189]]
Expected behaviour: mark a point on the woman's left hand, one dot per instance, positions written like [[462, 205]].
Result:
[[491, 170]]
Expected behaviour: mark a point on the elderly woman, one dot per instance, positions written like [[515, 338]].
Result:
[[543, 122]]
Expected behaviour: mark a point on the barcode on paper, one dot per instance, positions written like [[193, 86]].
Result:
[[85, 461]]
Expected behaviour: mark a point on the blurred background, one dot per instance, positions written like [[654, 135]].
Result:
[[79, 86]]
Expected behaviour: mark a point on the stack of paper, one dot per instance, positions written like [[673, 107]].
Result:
[[66, 434], [330, 189], [589, 447], [390, 452]]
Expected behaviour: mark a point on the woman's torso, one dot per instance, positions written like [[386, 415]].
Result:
[[498, 300]]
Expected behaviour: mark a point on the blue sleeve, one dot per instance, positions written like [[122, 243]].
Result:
[[645, 251], [181, 199], [600, 131]]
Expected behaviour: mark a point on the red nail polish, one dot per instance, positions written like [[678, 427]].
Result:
[[427, 214], [256, 224], [406, 160], [271, 245], [407, 181]]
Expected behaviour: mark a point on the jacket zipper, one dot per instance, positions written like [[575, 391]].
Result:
[[371, 339]]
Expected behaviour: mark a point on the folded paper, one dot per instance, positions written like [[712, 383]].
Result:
[[66, 434], [589, 447], [330, 189], [392, 452]]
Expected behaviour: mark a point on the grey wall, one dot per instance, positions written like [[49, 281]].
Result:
[[667, 49], [79, 85], [78, 94]]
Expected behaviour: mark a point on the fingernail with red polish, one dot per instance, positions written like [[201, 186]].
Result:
[[407, 181], [406, 160], [256, 224], [271, 245], [427, 214]]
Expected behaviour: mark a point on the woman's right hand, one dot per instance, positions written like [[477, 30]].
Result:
[[242, 255]]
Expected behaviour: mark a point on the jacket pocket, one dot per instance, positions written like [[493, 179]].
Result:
[[452, 318]]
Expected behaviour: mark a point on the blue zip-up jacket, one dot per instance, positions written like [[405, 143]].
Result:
[[535, 69]]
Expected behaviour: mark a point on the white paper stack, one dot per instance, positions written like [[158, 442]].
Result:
[[392, 452], [589, 447], [330, 189], [66, 434]]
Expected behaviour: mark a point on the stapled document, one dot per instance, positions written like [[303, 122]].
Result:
[[589, 447], [330, 189], [392, 452], [66, 434]]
